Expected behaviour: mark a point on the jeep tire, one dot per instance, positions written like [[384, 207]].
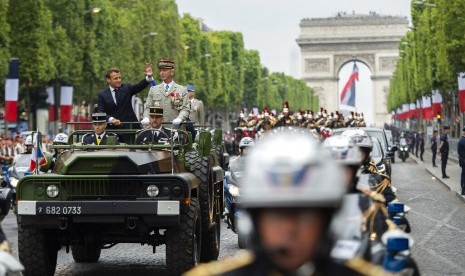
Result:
[[183, 244], [86, 253], [37, 251], [210, 217]]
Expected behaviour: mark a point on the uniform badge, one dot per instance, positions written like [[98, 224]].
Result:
[[176, 100]]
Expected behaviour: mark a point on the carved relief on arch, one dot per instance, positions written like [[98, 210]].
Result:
[[340, 60], [317, 65]]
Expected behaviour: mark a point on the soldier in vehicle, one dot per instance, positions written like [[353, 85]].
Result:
[[157, 133], [197, 110], [28, 144], [289, 200], [99, 136], [60, 139], [168, 95]]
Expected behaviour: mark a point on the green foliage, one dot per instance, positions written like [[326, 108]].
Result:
[[72, 42]]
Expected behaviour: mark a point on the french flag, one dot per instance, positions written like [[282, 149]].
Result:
[[66, 101], [37, 157], [437, 102], [11, 92], [461, 80], [426, 108], [51, 102], [348, 93]]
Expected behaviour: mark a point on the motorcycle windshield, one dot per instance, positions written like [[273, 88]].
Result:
[[21, 165], [236, 167], [346, 224]]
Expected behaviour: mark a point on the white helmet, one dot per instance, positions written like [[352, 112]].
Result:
[[284, 177], [246, 142], [343, 150], [28, 141], [60, 138], [359, 137]]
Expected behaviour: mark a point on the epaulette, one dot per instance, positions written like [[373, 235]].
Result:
[[241, 259], [366, 268], [4, 246]]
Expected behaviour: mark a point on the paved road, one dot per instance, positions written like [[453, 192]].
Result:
[[437, 218]]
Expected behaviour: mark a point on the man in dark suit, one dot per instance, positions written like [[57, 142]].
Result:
[[116, 100], [99, 136], [157, 133]]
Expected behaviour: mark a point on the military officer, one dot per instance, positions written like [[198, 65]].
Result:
[[99, 136], [197, 111], [157, 133], [169, 95]]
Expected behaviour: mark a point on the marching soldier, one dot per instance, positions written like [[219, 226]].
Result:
[[169, 95], [99, 136], [285, 119], [197, 111]]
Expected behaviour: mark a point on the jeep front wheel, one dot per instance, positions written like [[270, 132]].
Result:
[[183, 244], [37, 251]]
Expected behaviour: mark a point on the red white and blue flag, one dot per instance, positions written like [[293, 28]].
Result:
[[11, 92], [37, 157], [348, 93]]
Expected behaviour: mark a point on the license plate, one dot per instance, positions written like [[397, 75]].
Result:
[[49, 209]]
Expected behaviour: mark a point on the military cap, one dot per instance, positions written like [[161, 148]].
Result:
[[165, 63], [99, 117], [156, 110], [190, 87]]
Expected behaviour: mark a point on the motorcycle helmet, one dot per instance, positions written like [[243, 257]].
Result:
[[283, 177], [343, 150], [246, 142], [28, 141], [362, 140], [60, 139]]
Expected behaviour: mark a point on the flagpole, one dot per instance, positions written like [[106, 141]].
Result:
[[36, 170]]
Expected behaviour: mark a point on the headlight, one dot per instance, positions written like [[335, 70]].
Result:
[[13, 182], [233, 190], [52, 191], [152, 190]]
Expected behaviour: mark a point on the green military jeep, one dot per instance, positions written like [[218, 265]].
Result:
[[98, 196]]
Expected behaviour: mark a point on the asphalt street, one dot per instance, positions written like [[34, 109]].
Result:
[[437, 218]]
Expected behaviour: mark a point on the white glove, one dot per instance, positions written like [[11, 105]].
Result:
[[177, 121], [145, 121]]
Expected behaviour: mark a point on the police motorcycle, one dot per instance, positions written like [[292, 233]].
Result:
[[362, 227], [231, 190], [6, 193], [403, 149]]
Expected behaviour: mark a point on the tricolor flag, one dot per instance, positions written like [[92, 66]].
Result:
[[426, 108], [413, 110], [37, 157], [11, 92], [66, 101], [348, 93], [51, 102], [461, 80], [437, 102]]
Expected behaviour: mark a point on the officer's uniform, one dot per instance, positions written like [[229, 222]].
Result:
[[247, 263], [174, 101], [151, 135], [95, 139], [197, 110], [444, 152]]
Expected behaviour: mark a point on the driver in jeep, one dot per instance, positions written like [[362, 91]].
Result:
[[99, 136], [157, 133]]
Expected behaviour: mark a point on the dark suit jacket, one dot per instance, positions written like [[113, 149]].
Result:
[[123, 111], [91, 138], [145, 136]]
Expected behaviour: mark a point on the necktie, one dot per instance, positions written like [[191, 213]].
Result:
[[167, 87], [99, 138]]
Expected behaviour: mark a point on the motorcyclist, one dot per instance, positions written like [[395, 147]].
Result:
[[28, 144], [244, 145], [380, 182], [289, 199]]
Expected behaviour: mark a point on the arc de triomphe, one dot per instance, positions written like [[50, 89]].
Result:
[[327, 44]]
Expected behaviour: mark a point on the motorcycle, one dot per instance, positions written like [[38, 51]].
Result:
[[403, 150], [6, 193], [12, 175], [232, 196]]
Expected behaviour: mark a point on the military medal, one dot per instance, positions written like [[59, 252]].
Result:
[[176, 100]]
